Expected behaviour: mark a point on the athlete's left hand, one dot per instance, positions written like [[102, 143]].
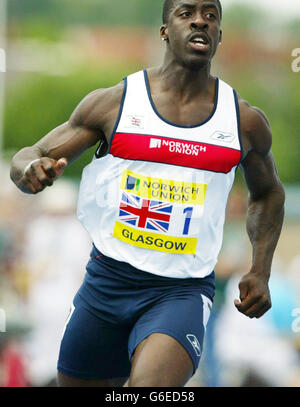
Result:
[[255, 299]]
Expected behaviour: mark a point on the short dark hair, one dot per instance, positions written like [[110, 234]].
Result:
[[168, 4]]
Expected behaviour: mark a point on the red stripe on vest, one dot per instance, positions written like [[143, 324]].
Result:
[[184, 153]]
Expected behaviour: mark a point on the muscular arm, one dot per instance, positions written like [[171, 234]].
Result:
[[265, 210], [88, 125]]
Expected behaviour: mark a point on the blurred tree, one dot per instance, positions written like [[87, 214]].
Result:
[[42, 103], [293, 28], [243, 17], [280, 100], [266, 83], [92, 12]]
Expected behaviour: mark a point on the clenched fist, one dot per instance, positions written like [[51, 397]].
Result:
[[41, 173], [255, 299]]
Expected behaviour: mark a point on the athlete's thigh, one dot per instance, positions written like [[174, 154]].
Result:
[[166, 342], [92, 351], [160, 361], [67, 381]]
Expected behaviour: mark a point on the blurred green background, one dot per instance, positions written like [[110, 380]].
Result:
[[60, 51]]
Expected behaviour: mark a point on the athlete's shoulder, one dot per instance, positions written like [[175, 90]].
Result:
[[255, 127], [101, 99], [97, 105]]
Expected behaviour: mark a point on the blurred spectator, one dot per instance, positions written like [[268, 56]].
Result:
[[55, 256], [259, 352], [293, 273], [13, 363], [231, 261]]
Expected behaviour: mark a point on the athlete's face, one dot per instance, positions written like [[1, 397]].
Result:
[[193, 31]]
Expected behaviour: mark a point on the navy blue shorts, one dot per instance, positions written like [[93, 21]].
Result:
[[118, 306]]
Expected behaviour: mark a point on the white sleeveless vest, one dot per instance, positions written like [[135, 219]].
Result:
[[157, 199]]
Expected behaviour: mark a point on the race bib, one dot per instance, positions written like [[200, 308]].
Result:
[[159, 214]]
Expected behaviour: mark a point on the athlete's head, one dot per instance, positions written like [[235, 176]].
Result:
[[192, 31], [170, 4]]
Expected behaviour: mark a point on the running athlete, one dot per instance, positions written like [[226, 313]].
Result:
[[153, 200]]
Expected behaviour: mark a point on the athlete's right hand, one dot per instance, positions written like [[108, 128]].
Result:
[[41, 173]]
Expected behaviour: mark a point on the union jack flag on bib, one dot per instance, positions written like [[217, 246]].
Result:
[[145, 213]]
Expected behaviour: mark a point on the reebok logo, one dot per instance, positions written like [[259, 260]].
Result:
[[221, 136], [195, 343], [179, 147]]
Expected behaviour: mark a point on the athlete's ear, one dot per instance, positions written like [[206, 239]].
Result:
[[220, 37], [164, 32]]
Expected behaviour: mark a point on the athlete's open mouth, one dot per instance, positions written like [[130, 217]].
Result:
[[199, 41]]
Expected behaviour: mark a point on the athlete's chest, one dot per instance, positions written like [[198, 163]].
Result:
[[200, 132], [173, 111], [183, 113]]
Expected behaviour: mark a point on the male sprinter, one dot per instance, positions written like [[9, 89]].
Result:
[[153, 200]]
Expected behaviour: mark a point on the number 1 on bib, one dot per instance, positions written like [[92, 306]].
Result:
[[189, 212]]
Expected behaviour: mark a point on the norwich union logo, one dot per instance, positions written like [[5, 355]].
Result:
[[163, 189], [132, 183], [155, 143], [178, 146]]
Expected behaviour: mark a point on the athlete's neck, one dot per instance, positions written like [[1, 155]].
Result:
[[185, 83]]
